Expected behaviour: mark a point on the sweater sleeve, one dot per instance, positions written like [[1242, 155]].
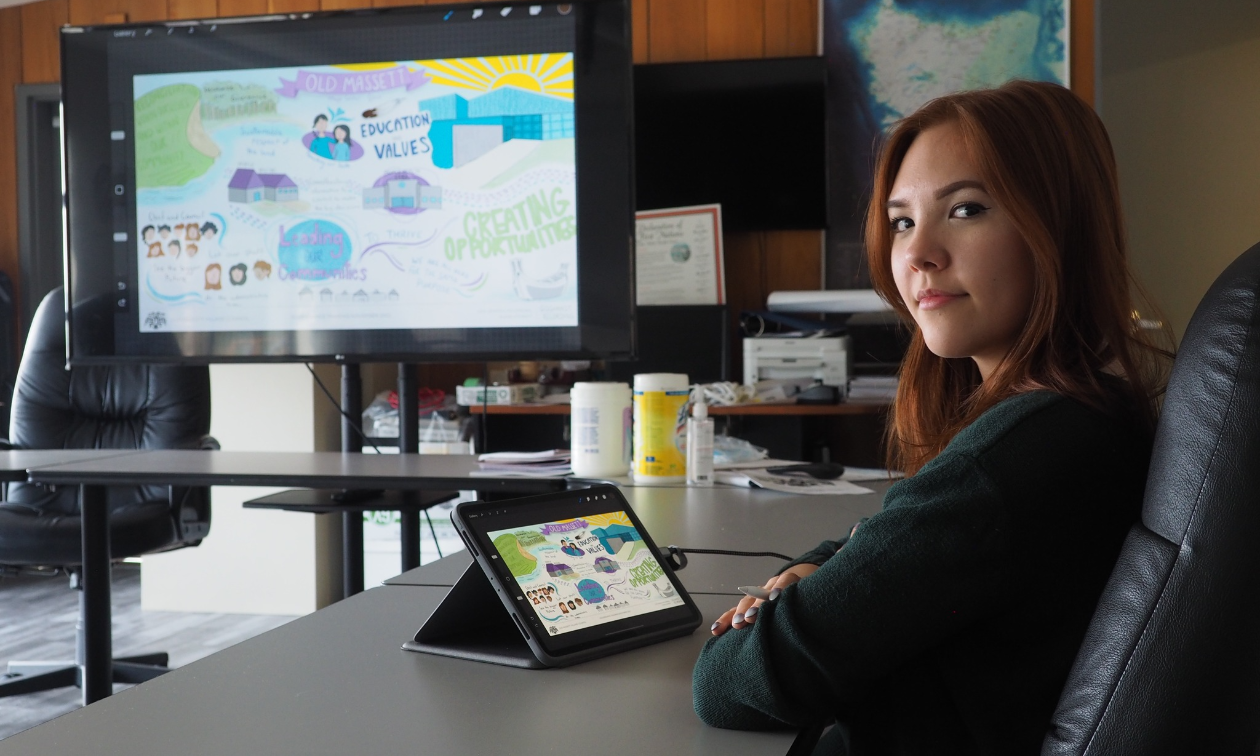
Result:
[[939, 557]]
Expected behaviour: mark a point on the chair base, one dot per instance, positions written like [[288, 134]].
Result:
[[37, 676]]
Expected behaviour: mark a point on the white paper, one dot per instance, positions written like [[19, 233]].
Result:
[[799, 484], [678, 257]]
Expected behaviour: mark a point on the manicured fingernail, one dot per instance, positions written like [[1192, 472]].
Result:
[[737, 619], [748, 615], [714, 626], [774, 594]]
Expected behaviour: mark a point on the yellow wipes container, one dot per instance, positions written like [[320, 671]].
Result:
[[660, 428]]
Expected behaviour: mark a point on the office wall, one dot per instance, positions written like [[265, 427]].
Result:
[[1186, 129]]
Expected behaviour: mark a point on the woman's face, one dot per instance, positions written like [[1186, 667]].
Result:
[[960, 264]]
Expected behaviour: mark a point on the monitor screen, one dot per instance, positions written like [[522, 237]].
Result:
[[747, 134], [413, 184]]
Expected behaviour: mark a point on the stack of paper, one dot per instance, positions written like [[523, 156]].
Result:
[[544, 464], [873, 388]]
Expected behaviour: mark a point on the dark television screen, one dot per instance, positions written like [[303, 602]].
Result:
[[749, 134], [406, 184]]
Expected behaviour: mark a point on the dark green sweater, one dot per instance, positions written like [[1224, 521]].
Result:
[[949, 621]]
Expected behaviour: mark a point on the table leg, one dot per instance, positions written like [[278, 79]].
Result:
[[351, 553], [97, 671], [410, 524]]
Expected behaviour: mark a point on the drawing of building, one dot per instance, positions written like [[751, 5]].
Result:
[[463, 130], [613, 537], [605, 565], [559, 570], [250, 186], [402, 194]]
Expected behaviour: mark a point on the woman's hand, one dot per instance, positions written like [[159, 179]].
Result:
[[745, 612]]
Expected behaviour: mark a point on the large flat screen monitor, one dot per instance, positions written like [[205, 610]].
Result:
[[412, 184]]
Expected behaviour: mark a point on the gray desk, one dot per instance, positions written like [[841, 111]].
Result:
[[219, 468], [336, 682], [721, 517]]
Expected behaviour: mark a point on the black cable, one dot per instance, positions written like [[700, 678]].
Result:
[[358, 428], [433, 532], [676, 556]]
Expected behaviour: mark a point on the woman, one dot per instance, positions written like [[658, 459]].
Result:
[[342, 144], [947, 623]]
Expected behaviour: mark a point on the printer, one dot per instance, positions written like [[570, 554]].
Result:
[[799, 361]]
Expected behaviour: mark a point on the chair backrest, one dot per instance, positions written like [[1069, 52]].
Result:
[[1171, 661], [99, 407]]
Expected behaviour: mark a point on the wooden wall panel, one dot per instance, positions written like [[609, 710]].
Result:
[[183, 9], [330, 5], [791, 28], [676, 30], [1081, 53], [234, 8], [639, 30], [10, 77], [41, 46], [735, 29], [793, 261], [88, 12]]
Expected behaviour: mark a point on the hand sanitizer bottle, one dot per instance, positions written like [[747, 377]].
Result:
[[700, 446]]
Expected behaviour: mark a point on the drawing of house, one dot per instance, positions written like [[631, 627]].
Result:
[[559, 570], [463, 130], [250, 186], [402, 194], [605, 565]]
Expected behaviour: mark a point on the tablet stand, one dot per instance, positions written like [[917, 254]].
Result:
[[471, 623]]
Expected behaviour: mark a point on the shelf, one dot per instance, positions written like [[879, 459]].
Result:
[[786, 410]]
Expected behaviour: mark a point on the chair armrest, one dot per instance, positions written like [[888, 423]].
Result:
[[208, 443]]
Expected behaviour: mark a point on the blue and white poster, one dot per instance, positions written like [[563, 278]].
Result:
[[886, 58]]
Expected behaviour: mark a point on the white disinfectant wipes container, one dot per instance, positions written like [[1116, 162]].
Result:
[[601, 424]]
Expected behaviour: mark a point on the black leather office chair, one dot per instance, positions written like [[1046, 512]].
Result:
[[128, 407], [1171, 662]]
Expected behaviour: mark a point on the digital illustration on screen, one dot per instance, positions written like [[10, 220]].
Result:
[[400, 194]]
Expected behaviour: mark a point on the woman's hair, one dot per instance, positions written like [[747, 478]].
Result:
[[1045, 158]]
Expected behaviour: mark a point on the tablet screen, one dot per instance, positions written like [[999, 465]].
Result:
[[583, 572]]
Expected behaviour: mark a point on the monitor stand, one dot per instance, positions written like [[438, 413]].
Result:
[[471, 623]]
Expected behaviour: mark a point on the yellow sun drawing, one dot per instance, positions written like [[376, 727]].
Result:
[[551, 73]]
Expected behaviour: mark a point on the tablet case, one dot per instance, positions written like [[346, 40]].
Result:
[[471, 623]]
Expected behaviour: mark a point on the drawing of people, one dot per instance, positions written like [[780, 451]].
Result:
[[209, 231], [173, 249], [563, 609], [579, 601], [342, 144], [164, 231], [192, 232], [190, 250], [238, 274], [155, 250], [571, 605], [262, 270], [147, 233], [214, 277], [322, 143]]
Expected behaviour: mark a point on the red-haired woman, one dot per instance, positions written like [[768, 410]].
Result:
[[947, 623]]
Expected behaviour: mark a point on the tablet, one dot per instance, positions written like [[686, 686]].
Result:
[[577, 572]]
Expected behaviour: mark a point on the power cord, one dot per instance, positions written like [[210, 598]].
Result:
[[676, 556], [358, 428], [356, 424]]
